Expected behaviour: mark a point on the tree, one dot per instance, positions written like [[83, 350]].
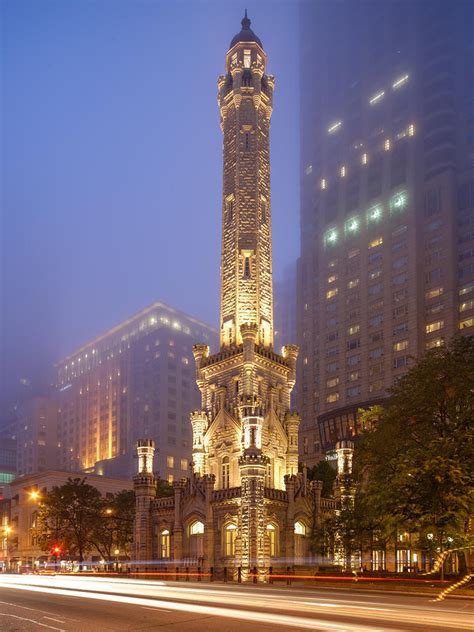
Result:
[[68, 516], [415, 468], [323, 471], [115, 528]]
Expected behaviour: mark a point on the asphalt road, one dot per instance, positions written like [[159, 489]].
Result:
[[64, 603]]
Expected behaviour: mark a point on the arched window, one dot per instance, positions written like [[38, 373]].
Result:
[[225, 472], [196, 539], [196, 528], [165, 544], [300, 537], [272, 537], [300, 528], [230, 534]]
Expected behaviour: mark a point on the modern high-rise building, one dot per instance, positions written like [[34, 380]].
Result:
[[387, 200], [37, 436], [136, 380]]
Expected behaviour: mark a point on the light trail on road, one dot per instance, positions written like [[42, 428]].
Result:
[[356, 613]]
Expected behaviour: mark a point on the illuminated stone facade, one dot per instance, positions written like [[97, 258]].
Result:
[[245, 503]]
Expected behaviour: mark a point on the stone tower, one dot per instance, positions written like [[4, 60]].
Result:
[[245, 434], [145, 491]]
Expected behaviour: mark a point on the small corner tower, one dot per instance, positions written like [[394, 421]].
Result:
[[145, 491]]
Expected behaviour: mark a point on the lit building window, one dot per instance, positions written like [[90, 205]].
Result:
[[225, 472], [342, 171], [300, 528], [331, 293], [353, 283], [332, 397], [386, 144], [334, 127], [330, 237], [400, 345], [308, 170], [332, 263], [184, 465], [467, 322], [352, 226], [271, 533], [332, 278], [467, 305], [170, 461], [323, 183], [400, 82], [436, 342], [433, 293], [398, 202], [353, 376], [230, 537], [374, 214], [436, 326], [411, 130], [377, 97], [332, 382], [165, 544], [364, 158], [196, 528], [170, 478], [247, 58], [353, 329], [466, 289], [378, 241]]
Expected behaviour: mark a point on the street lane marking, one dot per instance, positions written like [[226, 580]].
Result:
[[16, 605], [155, 609], [43, 625], [57, 620]]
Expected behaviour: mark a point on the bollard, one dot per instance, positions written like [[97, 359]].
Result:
[[211, 574], [177, 574], [288, 578], [255, 574], [270, 575], [199, 573], [239, 575], [187, 573], [225, 574]]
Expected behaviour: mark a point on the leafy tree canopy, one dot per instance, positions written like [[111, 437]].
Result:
[[415, 468]]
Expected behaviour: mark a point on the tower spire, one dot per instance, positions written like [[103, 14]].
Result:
[[246, 21]]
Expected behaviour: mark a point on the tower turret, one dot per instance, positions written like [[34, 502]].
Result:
[[144, 484]]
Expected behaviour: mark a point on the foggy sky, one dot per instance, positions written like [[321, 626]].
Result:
[[112, 163]]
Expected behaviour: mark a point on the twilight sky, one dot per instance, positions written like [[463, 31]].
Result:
[[111, 153]]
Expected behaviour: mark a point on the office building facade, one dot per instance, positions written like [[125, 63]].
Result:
[[135, 380], [387, 201]]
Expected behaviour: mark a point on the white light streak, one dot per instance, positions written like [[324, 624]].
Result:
[[334, 127], [376, 98], [399, 82]]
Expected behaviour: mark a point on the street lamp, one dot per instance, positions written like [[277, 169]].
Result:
[[116, 553], [7, 531]]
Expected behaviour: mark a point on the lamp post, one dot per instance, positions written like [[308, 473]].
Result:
[[116, 553], [7, 531]]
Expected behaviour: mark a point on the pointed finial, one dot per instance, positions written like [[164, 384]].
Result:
[[245, 22]]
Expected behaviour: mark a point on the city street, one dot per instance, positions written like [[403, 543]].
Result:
[[66, 603]]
